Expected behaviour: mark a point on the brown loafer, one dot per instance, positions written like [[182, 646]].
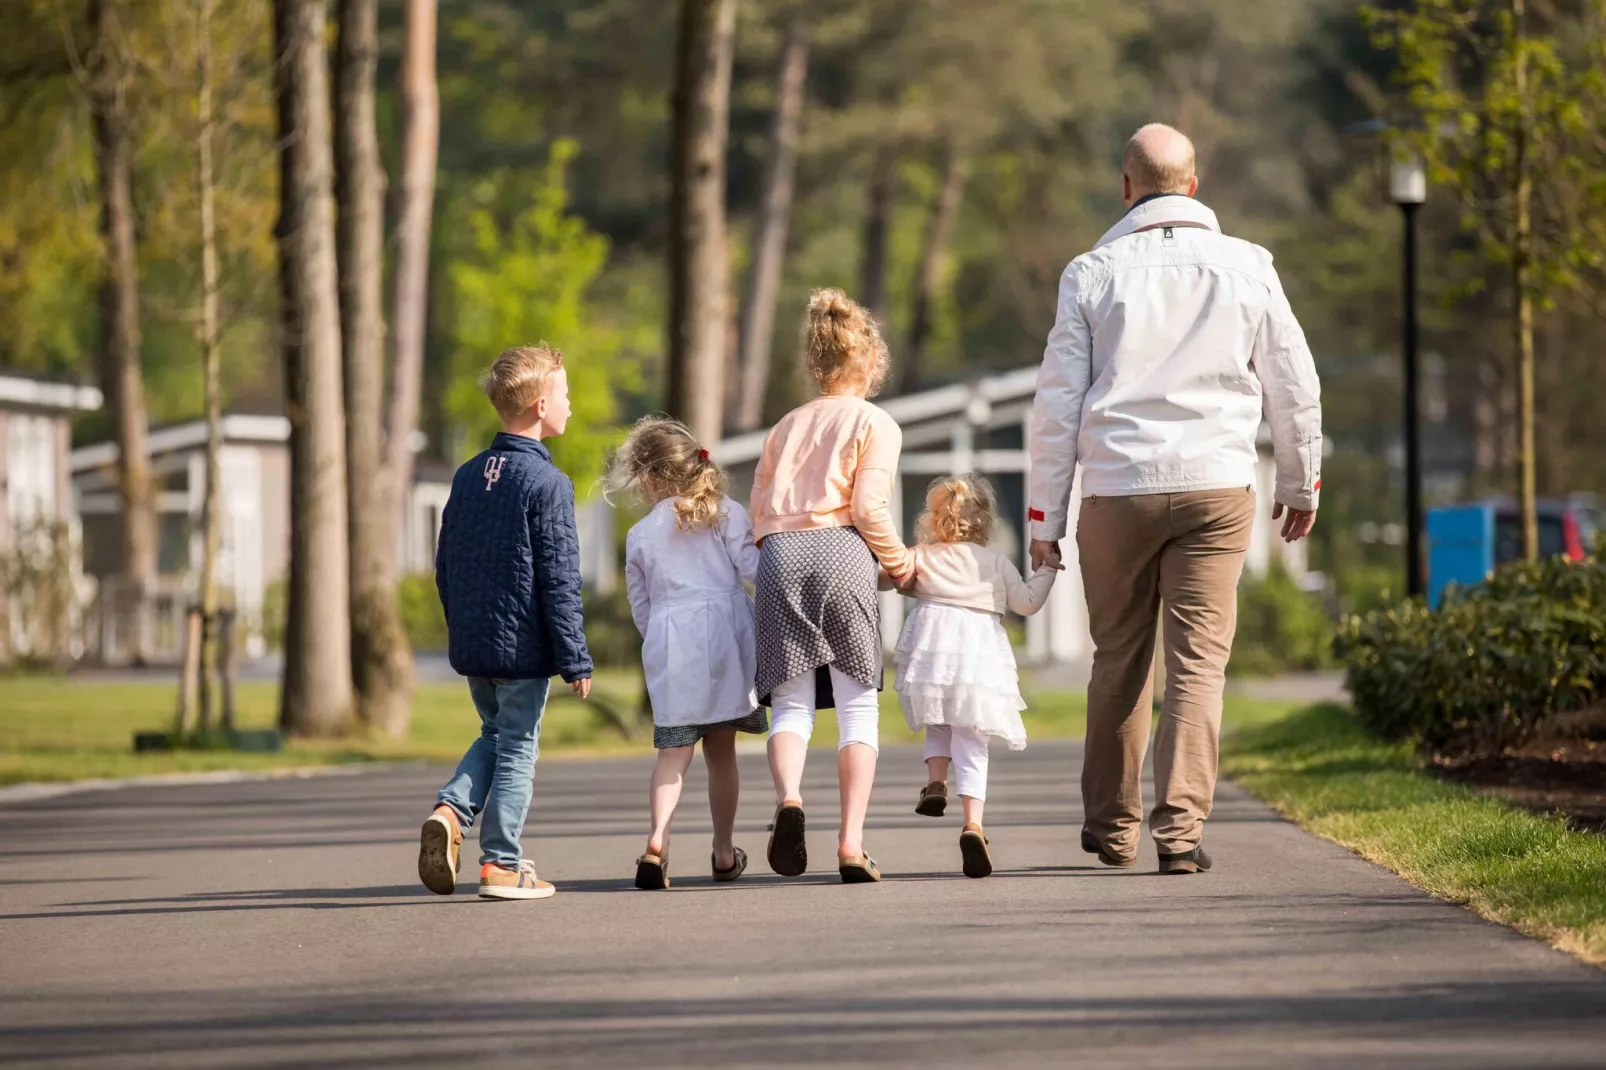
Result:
[[652, 872], [1091, 845], [973, 849], [788, 851], [861, 870], [933, 799], [738, 867]]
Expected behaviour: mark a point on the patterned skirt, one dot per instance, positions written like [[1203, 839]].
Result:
[[666, 736], [817, 607]]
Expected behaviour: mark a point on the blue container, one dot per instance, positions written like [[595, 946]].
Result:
[[1461, 547]]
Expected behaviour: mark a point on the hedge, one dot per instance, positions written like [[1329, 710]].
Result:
[[1490, 666]]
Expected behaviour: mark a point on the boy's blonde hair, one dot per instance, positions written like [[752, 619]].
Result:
[[519, 377], [842, 344], [661, 459], [958, 509]]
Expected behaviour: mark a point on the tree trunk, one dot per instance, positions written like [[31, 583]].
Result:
[[877, 225], [316, 698], [381, 660], [120, 375], [410, 315], [1522, 269], [698, 269], [212, 515], [933, 258], [769, 233]]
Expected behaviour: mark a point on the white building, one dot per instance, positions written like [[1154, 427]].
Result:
[[254, 546], [37, 520], [981, 427]]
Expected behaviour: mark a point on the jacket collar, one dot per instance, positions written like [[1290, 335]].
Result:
[[1171, 209], [510, 443]]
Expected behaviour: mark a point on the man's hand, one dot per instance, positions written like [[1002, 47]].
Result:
[[1298, 524], [582, 687], [1046, 554]]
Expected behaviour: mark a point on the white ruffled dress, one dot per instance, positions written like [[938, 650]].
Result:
[[955, 663]]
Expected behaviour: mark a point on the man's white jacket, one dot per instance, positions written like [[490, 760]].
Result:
[[1170, 342]]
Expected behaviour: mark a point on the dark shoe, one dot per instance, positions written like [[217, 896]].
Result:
[[973, 848], [652, 872], [788, 852], [738, 867], [861, 870], [1091, 845], [1194, 861], [933, 799]]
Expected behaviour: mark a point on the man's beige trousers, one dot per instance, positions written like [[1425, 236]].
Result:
[[1184, 552]]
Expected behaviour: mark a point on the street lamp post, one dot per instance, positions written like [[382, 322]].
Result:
[[1408, 188]]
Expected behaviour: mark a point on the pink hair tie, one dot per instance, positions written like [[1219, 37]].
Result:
[[702, 455]]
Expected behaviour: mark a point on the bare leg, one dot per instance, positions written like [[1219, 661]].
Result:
[[724, 788], [855, 770], [937, 770], [973, 808], [664, 795], [788, 751]]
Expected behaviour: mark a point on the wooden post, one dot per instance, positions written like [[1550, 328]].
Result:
[[190, 678], [225, 666]]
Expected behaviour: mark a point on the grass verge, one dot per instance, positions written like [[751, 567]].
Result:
[[1316, 766], [56, 728]]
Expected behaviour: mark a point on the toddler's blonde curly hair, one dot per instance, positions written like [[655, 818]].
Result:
[[660, 459], [958, 509], [842, 346]]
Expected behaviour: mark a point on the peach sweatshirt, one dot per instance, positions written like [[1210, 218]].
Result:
[[830, 464]]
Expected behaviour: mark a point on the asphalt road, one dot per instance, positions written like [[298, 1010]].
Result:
[[279, 924]]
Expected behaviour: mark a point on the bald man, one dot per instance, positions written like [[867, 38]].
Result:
[[1171, 342]]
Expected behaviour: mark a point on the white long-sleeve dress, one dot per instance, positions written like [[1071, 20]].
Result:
[[955, 663], [694, 615]]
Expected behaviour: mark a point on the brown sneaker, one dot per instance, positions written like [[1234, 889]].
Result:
[[440, 851], [933, 799], [521, 883]]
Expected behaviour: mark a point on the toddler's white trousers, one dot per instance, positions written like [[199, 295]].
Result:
[[966, 748], [858, 709]]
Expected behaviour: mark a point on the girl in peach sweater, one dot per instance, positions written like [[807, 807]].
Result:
[[821, 512]]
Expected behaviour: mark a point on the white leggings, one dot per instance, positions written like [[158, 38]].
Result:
[[858, 708], [967, 749]]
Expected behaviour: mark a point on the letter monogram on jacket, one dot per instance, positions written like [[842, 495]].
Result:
[[493, 469]]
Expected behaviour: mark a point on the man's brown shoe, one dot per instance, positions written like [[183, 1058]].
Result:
[[1091, 845], [440, 851], [1194, 861]]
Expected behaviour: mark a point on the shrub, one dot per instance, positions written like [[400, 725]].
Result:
[[420, 607], [1490, 667], [1281, 628]]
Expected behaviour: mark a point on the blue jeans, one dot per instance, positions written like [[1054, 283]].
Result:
[[495, 773]]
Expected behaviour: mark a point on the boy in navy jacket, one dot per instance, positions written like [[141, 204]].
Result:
[[508, 570]]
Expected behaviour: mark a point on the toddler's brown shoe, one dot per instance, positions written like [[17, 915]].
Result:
[[499, 883], [440, 846], [933, 799]]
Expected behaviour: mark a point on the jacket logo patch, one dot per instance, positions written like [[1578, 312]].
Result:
[[493, 469]]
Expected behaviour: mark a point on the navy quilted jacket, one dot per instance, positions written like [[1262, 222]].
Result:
[[508, 567]]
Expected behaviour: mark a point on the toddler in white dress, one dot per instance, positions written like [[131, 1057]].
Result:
[[685, 566], [956, 669]]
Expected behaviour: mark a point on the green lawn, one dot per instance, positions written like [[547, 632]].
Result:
[[1316, 766], [61, 728]]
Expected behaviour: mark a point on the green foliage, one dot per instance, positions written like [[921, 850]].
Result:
[[522, 278], [1487, 669], [1323, 770], [610, 630], [1281, 628], [420, 606], [1501, 101]]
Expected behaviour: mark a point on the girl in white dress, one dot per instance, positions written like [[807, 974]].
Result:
[[956, 669], [685, 566]]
